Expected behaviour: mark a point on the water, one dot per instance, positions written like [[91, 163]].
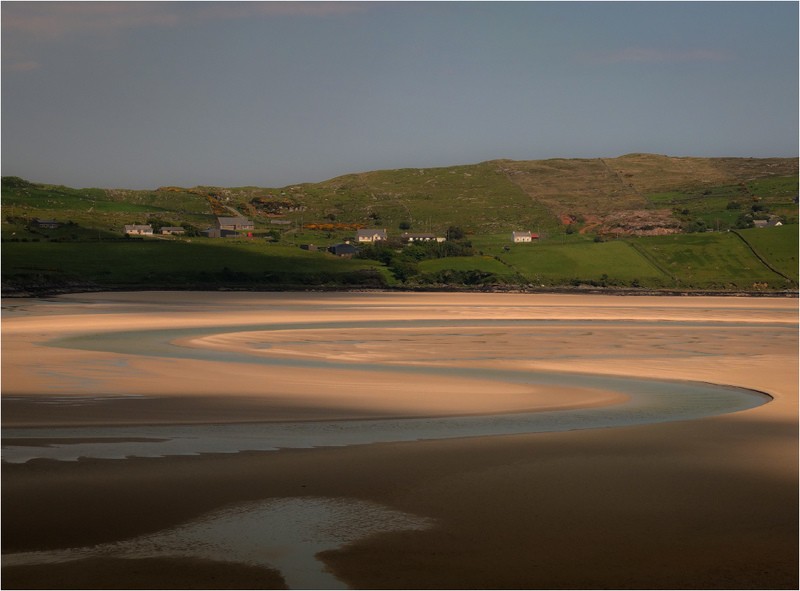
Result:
[[288, 534], [649, 401], [285, 534]]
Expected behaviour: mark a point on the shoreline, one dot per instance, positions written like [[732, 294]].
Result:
[[11, 292]]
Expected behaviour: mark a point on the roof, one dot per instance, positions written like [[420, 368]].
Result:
[[371, 232], [521, 234], [173, 228], [417, 235], [343, 248], [234, 221], [138, 227]]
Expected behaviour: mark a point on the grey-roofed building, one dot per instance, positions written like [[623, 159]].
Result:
[[217, 233], [138, 229], [421, 237], [343, 250], [234, 223], [370, 235], [47, 224]]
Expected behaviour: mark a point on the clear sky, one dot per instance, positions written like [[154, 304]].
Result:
[[145, 94]]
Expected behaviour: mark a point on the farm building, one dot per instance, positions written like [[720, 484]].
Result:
[[235, 223], [771, 223], [424, 237], [523, 237], [370, 235], [343, 250], [217, 233], [138, 229], [46, 224], [173, 230]]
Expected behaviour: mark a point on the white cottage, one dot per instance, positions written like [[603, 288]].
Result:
[[521, 236], [370, 235], [138, 229]]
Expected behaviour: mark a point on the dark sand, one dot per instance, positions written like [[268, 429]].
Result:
[[710, 503]]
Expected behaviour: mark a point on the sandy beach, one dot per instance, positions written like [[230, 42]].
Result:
[[687, 504]]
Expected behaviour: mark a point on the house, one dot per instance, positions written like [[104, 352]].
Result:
[[408, 237], [343, 250], [235, 223], [171, 230], [217, 233], [522, 236], [46, 224], [138, 230], [773, 222], [370, 235]]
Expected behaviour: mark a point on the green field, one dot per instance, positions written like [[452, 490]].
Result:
[[713, 260], [777, 246], [595, 218], [708, 261], [607, 263], [144, 264]]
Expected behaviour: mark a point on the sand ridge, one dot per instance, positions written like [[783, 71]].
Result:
[[707, 503]]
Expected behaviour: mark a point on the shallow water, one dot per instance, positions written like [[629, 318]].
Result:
[[285, 534], [649, 401]]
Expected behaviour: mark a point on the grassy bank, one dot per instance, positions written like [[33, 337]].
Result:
[[759, 260], [639, 221], [157, 264]]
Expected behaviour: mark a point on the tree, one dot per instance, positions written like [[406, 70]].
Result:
[[455, 233], [698, 225], [403, 269]]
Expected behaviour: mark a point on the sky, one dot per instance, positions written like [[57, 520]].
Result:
[[140, 95]]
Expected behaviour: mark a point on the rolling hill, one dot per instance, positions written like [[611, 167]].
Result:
[[639, 221]]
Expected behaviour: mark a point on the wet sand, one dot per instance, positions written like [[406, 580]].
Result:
[[709, 503]]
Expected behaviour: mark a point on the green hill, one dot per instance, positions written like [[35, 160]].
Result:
[[637, 221]]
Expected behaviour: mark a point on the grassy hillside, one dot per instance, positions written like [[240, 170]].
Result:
[[604, 264], [711, 261], [637, 221], [778, 247], [479, 198], [152, 264]]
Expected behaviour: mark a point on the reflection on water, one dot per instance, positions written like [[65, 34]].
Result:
[[281, 533], [287, 534], [649, 401]]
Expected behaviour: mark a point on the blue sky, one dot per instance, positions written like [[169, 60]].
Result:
[[145, 94]]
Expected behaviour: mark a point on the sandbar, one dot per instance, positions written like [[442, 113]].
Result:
[[707, 503]]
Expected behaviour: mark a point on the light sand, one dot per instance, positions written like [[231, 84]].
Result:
[[710, 503]]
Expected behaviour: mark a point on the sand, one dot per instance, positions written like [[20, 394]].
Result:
[[709, 503]]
